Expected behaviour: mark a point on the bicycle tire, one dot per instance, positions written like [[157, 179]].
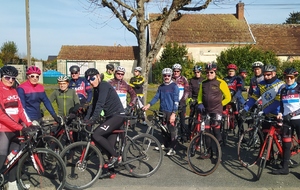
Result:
[[79, 176], [53, 143], [141, 157], [261, 163], [224, 129], [54, 173], [204, 154], [249, 146], [295, 154]]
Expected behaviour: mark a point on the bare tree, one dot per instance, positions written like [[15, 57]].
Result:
[[127, 11]]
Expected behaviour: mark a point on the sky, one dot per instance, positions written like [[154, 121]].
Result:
[[69, 22]]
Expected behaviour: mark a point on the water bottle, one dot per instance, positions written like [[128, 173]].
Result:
[[202, 126], [10, 156]]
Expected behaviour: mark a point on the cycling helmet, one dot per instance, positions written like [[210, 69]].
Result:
[[269, 68], [63, 78], [243, 71], [167, 71], [176, 66], [257, 64], [120, 68], [33, 70], [138, 69], [9, 70], [74, 68], [91, 72], [232, 66], [197, 68], [110, 67], [211, 66], [290, 71]]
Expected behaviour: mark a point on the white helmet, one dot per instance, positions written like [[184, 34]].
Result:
[[257, 64], [167, 71], [63, 78], [176, 66], [120, 68], [138, 69]]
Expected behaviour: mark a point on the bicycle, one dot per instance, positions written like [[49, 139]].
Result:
[[204, 151], [37, 167], [84, 160], [272, 141], [138, 113], [228, 122]]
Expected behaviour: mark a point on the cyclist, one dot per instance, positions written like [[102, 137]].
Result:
[[81, 86], [290, 113], [243, 75], [257, 78], [32, 94], [66, 99], [213, 95], [194, 84], [183, 86], [104, 98], [122, 88], [137, 83], [11, 112], [109, 74], [235, 86], [269, 91], [168, 94]]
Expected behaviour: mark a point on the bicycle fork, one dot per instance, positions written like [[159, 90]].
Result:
[[37, 163]]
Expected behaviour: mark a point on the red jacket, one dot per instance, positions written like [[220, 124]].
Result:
[[14, 112]]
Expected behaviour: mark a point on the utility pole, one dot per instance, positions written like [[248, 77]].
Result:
[[28, 33]]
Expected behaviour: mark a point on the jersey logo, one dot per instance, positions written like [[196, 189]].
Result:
[[268, 96], [105, 127], [13, 97]]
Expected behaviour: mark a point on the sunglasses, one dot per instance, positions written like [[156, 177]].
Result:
[[9, 78], [34, 76], [267, 75], [211, 72], [291, 77], [197, 72], [74, 73], [122, 74], [91, 78], [167, 75]]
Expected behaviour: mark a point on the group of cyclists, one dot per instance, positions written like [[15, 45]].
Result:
[[105, 95]]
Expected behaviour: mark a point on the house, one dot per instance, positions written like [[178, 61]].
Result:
[[97, 57], [206, 35]]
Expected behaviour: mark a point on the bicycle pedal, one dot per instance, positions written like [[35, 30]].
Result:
[[112, 175]]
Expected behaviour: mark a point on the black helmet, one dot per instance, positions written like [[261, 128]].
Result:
[[243, 70], [91, 72], [290, 71], [110, 67], [269, 68], [10, 71], [74, 68], [211, 66], [197, 68]]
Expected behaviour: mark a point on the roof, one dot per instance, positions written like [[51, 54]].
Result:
[[283, 39], [98, 52], [206, 28], [52, 57]]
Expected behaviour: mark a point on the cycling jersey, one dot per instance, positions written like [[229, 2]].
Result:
[[194, 85], [11, 111], [168, 96], [82, 88], [122, 88], [32, 95], [137, 83], [65, 100], [214, 94], [270, 96], [183, 86], [235, 85], [290, 100], [106, 76], [253, 84]]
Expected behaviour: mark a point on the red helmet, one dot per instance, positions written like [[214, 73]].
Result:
[[232, 66], [33, 70]]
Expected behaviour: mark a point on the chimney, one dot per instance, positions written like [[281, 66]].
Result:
[[240, 11]]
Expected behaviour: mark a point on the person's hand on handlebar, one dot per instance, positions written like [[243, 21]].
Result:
[[146, 107]]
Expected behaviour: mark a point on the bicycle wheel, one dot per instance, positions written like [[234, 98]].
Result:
[[295, 154], [81, 173], [249, 146], [204, 154], [141, 157], [52, 176], [261, 163], [224, 129], [52, 143]]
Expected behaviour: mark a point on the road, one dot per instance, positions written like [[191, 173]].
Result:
[[175, 174]]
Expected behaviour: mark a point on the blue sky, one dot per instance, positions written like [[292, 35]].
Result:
[[67, 22]]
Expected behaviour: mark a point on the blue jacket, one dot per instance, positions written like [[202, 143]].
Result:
[[83, 89]]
